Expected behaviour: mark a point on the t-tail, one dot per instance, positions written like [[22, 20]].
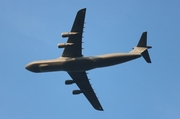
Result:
[[142, 48]]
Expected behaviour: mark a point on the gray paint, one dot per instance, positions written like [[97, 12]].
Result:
[[73, 62], [80, 63]]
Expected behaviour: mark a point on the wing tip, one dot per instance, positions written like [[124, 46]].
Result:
[[83, 10], [99, 108]]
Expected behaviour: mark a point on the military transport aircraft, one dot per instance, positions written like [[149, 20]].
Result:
[[75, 64]]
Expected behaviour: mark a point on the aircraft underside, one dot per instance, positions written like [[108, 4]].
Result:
[[76, 65], [80, 64]]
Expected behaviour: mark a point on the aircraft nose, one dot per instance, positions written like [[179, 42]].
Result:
[[28, 67], [32, 67]]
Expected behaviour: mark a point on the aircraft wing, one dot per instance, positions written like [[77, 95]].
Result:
[[76, 49], [82, 81]]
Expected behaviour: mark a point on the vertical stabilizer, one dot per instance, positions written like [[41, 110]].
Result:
[[142, 48], [143, 40]]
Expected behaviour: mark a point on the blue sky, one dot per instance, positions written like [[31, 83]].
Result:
[[30, 30]]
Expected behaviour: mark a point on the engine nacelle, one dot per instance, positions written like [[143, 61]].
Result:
[[63, 45], [67, 34], [68, 82], [75, 92]]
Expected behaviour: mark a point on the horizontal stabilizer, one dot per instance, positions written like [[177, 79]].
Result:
[[142, 48], [145, 55]]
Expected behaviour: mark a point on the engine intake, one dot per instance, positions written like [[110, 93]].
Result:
[[63, 45], [67, 34], [75, 92], [68, 82]]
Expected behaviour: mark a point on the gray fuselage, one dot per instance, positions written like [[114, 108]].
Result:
[[80, 63]]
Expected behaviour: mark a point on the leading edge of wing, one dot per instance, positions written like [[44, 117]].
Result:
[[82, 81], [76, 49]]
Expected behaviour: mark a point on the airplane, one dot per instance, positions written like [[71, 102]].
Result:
[[75, 64]]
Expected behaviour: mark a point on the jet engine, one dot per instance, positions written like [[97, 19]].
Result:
[[75, 92], [67, 34], [63, 45], [68, 82]]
